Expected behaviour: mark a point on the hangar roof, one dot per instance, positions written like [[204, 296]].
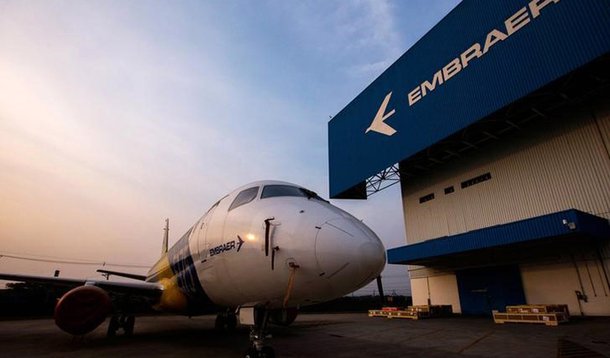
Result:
[[482, 58], [571, 223]]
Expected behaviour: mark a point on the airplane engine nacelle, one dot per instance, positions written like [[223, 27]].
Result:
[[284, 317], [82, 309]]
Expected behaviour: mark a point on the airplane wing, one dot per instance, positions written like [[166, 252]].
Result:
[[143, 289], [107, 273], [87, 303]]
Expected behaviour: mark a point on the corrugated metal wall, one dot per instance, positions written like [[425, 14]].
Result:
[[561, 165], [557, 282]]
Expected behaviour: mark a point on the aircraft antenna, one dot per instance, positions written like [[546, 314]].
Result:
[[165, 237]]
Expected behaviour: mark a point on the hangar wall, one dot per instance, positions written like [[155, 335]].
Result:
[[563, 164], [557, 164], [558, 281], [440, 290]]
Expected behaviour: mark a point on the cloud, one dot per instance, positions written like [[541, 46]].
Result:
[[368, 69], [361, 32]]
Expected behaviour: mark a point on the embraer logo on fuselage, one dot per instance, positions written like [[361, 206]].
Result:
[[512, 24]]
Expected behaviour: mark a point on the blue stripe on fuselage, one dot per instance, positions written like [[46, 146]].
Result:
[[182, 265]]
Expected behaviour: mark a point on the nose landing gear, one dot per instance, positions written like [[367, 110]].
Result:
[[258, 335]]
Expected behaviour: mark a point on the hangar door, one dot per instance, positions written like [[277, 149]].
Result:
[[486, 289]]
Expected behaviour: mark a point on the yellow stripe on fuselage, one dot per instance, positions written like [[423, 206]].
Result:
[[172, 299], [161, 270]]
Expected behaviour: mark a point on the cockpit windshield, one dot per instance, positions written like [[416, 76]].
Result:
[[275, 190], [244, 197]]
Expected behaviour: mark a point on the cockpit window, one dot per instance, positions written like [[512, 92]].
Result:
[[276, 190], [244, 197], [215, 205]]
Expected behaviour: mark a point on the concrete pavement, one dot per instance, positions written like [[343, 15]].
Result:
[[315, 335]]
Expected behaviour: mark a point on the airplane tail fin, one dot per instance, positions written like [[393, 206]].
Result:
[[165, 238]]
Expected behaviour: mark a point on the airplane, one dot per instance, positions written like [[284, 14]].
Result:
[[260, 252]]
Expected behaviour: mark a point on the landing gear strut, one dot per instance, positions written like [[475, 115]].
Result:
[[121, 321], [258, 334]]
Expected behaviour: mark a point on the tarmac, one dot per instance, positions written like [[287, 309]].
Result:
[[317, 335]]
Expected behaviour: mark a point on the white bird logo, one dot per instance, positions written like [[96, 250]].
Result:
[[378, 125]]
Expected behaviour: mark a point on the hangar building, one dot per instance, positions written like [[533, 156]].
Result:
[[496, 124]]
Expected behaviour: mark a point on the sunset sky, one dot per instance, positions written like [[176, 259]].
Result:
[[117, 114]]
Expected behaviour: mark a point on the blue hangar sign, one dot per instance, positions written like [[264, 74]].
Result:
[[481, 57]]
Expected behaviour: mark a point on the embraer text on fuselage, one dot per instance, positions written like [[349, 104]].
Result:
[[512, 24], [222, 248]]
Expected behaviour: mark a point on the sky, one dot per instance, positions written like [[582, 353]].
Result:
[[117, 114]]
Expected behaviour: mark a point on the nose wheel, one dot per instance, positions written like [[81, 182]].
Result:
[[265, 352], [258, 335]]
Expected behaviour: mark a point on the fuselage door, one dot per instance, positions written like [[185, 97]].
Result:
[[202, 232]]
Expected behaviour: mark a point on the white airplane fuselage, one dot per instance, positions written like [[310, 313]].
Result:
[[271, 244]]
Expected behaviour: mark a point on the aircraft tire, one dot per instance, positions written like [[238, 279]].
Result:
[[220, 322], [130, 322], [231, 322], [113, 326], [251, 353], [265, 352]]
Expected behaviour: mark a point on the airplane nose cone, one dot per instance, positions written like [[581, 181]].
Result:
[[348, 253]]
